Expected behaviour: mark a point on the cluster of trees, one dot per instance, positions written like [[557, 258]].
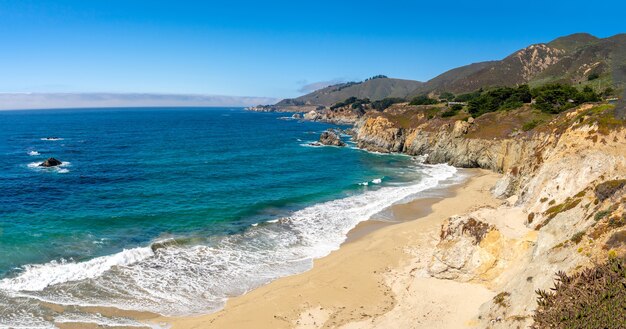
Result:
[[423, 100], [352, 101], [556, 98], [384, 103], [357, 103], [550, 98], [380, 76], [503, 98]]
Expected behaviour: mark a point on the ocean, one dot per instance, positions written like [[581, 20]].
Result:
[[173, 210]]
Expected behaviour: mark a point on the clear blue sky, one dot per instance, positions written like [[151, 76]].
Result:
[[267, 48]]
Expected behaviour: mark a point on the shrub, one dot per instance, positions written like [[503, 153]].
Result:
[[423, 100], [384, 103], [616, 222], [530, 125], [601, 214], [503, 98], [501, 299], [593, 298], [452, 111], [448, 96], [556, 98], [346, 102], [468, 97], [606, 189], [577, 237], [593, 76]]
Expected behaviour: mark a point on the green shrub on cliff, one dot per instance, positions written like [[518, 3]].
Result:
[[556, 98], [352, 101], [423, 100], [593, 298], [503, 98], [384, 103]]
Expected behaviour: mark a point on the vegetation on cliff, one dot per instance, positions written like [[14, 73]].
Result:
[[593, 298]]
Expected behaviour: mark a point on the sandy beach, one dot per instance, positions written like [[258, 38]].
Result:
[[377, 279]]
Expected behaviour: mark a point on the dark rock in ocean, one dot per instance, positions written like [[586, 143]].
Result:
[[297, 116], [51, 162], [330, 137]]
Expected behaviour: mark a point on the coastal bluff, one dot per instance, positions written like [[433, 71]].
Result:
[[551, 217]]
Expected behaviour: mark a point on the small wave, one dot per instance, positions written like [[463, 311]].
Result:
[[52, 139], [33, 153], [38, 277], [373, 181]]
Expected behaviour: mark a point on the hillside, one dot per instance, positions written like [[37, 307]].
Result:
[[575, 59], [374, 89]]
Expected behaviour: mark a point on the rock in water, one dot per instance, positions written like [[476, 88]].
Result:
[[51, 162], [330, 137], [297, 116]]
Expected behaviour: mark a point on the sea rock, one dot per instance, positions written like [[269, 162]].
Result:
[[312, 116], [296, 116], [51, 162], [330, 137]]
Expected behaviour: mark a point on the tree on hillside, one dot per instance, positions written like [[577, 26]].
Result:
[[423, 100], [556, 98], [384, 103], [447, 96], [503, 98]]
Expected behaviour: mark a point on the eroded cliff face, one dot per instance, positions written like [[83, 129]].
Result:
[[563, 194]]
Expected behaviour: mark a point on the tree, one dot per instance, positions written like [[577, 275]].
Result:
[[447, 96], [384, 103], [423, 100], [554, 98]]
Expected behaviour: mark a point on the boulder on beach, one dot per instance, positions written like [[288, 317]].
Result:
[[330, 137], [51, 162]]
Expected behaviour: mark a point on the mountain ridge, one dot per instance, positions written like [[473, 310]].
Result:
[[576, 59]]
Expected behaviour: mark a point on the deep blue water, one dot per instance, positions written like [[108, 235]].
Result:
[[205, 177]]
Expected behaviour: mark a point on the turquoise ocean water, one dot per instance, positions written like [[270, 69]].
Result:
[[173, 210]]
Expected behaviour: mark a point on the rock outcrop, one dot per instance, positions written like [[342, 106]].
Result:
[[330, 137], [51, 162]]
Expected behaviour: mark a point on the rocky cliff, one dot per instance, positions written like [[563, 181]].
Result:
[[563, 187]]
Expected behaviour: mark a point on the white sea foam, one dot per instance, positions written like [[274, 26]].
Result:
[[38, 277], [60, 169], [177, 280], [33, 153], [51, 139], [377, 181], [99, 320]]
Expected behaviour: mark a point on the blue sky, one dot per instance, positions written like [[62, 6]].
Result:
[[263, 48]]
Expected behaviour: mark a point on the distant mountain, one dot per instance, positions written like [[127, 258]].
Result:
[[575, 59], [375, 89]]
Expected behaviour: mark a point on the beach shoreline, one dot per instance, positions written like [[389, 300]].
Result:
[[378, 272]]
